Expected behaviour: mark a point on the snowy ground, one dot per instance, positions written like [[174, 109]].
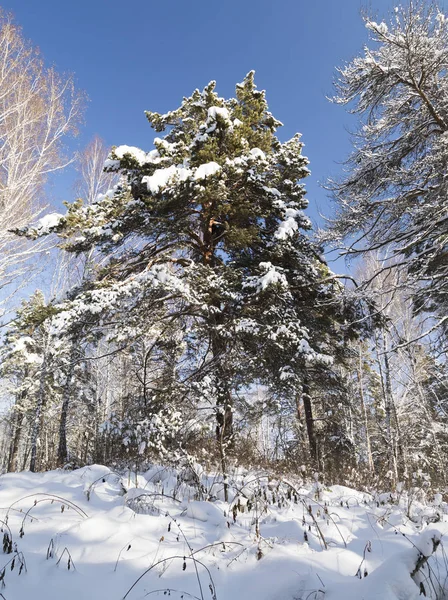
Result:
[[92, 534]]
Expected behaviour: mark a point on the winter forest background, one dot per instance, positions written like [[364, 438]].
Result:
[[180, 305]]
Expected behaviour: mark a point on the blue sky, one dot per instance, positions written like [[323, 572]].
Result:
[[144, 55]]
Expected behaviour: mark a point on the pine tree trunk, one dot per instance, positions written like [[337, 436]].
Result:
[[85, 452], [17, 429], [66, 397], [309, 419], [224, 411], [300, 424], [224, 429], [98, 438], [35, 431], [5, 451], [14, 450], [25, 456], [224, 402]]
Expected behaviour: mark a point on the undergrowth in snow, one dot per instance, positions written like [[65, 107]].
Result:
[[94, 533]]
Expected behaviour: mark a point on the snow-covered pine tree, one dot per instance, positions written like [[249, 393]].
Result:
[[19, 367], [394, 193], [206, 233], [48, 383], [26, 362]]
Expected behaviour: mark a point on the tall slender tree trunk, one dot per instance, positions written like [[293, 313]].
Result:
[[429, 417], [224, 401], [309, 420], [25, 456], [36, 426], [66, 398], [224, 424], [14, 449], [300, 421], [386, 384], [17, 428], [224, 410], [399, 455], [364, 415], [98, 438]]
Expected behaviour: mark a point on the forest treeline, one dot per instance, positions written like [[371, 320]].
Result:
[[193, 316]]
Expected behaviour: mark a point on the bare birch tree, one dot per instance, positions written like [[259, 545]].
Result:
[[92, 180], [39, 109]]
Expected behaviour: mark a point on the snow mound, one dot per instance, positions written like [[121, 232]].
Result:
[[205, 512], [95, 533]]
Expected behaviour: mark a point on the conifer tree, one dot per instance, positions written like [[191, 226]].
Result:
[[19, 366], [27, 360], [392, 196], [205, 235]]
